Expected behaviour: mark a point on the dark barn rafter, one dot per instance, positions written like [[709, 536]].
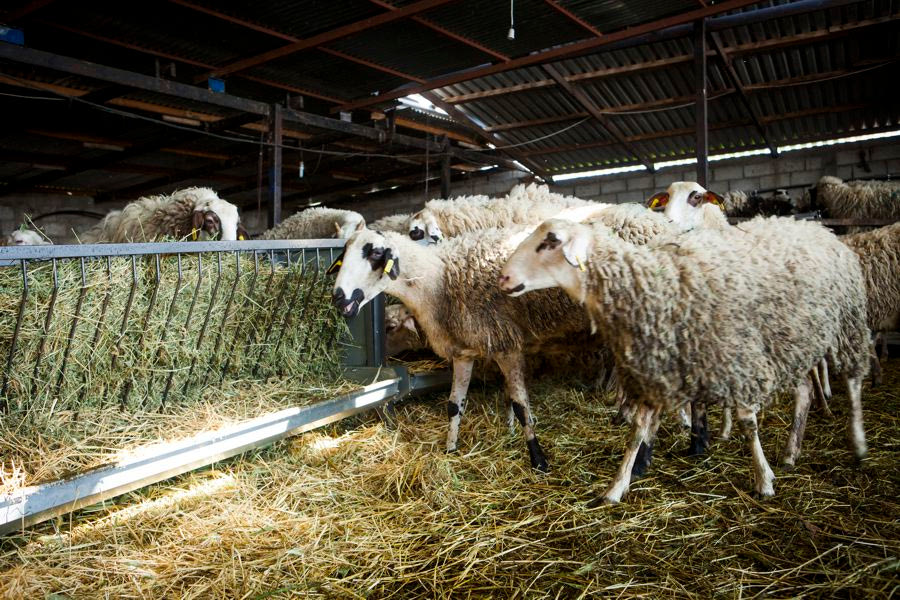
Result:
[[576, 95]]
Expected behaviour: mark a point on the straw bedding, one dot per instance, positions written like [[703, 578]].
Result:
[[132, 375], [357, 510]]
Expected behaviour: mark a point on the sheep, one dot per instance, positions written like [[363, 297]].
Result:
[[390, 223], [450, 289], [738, 203], [194, 212], [859, 199], [879, 255], [524, 205], [793, 292], [401, 331], [26, 237], [316, 223], [689, 205]]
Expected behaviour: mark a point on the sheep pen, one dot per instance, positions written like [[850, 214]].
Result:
[[358, 510]]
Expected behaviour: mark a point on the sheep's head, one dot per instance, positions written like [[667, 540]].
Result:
[[423, 228], [554, 255], [401, 330], [25, 237], [350, 224], [367, 265], [214, 218], [682, 202]]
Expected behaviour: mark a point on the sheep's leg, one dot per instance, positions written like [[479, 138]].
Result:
[[857, 433], [643, 430], [624, 410], [699, 428], [462, 374], [512, 366], [819, 392], [874, 365], [762, 471], [685, 417], [826, 382], [725, 425], [884, 345], [802, 401]]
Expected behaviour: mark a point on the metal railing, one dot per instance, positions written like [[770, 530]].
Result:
[[140, 324]]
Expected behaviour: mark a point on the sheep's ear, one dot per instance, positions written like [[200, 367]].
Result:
[[336, 265], [575, 251], [714, 198], [391, 264], [658, 201], [361, 225], [196, 224], [337, 229], [410, 324]]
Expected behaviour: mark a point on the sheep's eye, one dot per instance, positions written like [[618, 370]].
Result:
[[695, 198], [376, 254], [550, 242]]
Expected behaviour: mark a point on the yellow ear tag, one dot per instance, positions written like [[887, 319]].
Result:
[[388, 265], [241, 237], [194, 234], [580, 264]]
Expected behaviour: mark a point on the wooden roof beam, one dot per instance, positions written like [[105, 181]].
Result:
[[446, 32], [732, 74], [554, 54], [581, 98], [320, 39], [574, 18]]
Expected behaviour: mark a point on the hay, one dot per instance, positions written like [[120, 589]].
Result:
[[72, 405], [360, 511]]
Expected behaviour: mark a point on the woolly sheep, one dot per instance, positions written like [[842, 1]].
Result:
[[26, 237], [451, 290], [655, 306], [859, 199], [524, 205], [390, 223], [316, 223], [879, 255], [196, 213], [401, 331]]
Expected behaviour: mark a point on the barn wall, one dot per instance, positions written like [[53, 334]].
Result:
[[759, 172]]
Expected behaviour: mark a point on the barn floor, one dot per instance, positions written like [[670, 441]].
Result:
[[361, 511]]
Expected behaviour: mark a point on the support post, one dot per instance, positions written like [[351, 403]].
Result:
[[445, 170], [276, 130], [702, 133]]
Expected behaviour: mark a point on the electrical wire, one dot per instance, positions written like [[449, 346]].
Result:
[[33, 97]]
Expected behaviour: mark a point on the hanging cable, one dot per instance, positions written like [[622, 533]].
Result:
[[511, 35]]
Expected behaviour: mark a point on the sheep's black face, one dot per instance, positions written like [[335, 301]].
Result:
[[367, 266]]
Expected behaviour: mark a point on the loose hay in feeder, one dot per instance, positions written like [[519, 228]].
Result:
[[128, 350], [361, 511]]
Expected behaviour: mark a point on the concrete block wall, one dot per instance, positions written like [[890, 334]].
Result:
[[62, 229]]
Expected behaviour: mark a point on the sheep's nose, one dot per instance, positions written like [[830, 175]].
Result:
[[338, 297], [416, 234], [503, 280]]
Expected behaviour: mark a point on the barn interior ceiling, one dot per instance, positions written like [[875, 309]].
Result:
[[115, 100]]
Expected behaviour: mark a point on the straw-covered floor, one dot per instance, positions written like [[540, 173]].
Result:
[[126, 352], [358, 510]]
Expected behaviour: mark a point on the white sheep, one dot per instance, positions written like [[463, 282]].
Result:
[[193, 213], [26, 237], [859, 199], [774, 303], [316, 223], [390, 223], [879, 255], [451, 290], [401, 332], [524, 205]]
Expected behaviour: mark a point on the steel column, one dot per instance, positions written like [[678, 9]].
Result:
[[702, 130], [276, 130]]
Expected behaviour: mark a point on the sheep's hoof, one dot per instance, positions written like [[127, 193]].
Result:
[[453, 450], [601, 501], [697, 448], [642, 461], [538, 460], [786, 466], [762, 496]]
